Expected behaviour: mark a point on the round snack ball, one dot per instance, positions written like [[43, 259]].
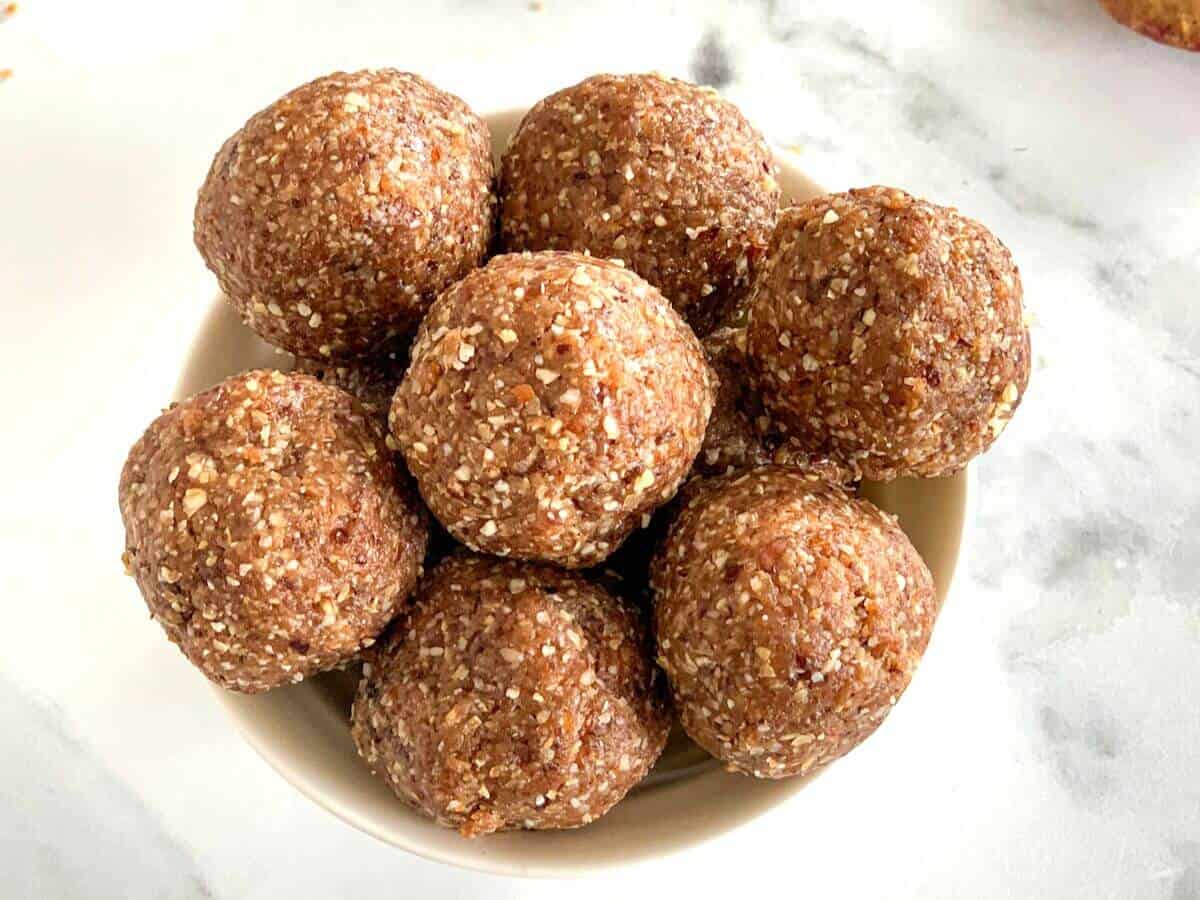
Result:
[[887, 333], [790, 617], [657, 172], [1173, 22], [335, 215], [515, 695], [267, 529], [553, 400], [740, 434], [373, 380]]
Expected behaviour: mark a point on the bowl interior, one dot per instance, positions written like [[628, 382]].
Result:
[[303, 730]]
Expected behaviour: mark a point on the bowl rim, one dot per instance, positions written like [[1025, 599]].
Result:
[[466, 853]]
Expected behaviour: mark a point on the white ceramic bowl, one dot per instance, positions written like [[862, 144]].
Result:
[[303, 731]]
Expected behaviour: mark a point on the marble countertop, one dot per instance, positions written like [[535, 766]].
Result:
[[1063, 733]]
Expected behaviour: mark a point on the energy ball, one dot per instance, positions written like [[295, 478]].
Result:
[[740, 434], [267, 529], [657, 172], [1172, 22], [335, 216], [372, 380], [790, 618], [887, 333], [515, 696], [553, 401]]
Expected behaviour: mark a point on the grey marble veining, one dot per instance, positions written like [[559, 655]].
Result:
[[70, 828]]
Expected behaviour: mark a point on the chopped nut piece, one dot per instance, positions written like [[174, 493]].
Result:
[[193, 499], [643, 481]]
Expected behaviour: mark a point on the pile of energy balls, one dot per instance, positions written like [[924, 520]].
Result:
[[634, 393]]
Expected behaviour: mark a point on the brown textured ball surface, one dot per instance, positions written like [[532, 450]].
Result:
[[660, 173], [887, 333], [553, 401], [790, 617], [373, 380], [334, 216], [267, 530], [740, 434], [1173, 22], [515, 696]]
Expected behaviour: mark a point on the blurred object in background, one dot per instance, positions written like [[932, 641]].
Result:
[[6, 12], [1173, 22]]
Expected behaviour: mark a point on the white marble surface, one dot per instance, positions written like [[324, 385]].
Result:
[[1062, 756]]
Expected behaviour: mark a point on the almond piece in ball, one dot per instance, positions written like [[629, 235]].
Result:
[[514, 696], [887, 333], [789, 618], [267, 528], [552, 402], [334, 216]]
